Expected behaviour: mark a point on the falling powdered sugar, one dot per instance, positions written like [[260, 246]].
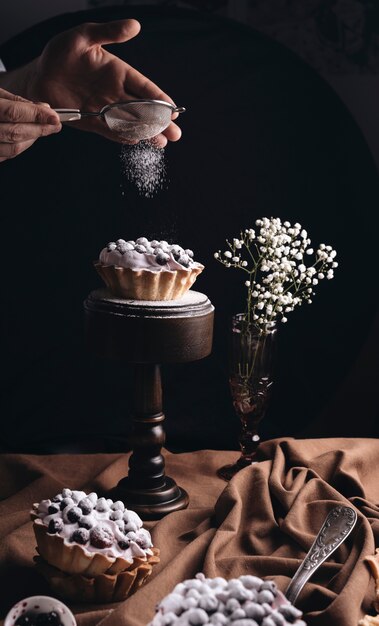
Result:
[[144, 166]]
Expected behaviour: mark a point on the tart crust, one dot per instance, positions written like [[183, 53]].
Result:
[[102, 588], [145, 284]]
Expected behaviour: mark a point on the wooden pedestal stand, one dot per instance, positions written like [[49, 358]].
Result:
[[148, 334]]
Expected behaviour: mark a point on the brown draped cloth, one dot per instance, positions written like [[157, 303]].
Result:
[[263, 522]]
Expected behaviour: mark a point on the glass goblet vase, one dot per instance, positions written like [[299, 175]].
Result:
[[252, 351]]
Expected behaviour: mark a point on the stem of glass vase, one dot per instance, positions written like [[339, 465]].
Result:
[[252, 352]]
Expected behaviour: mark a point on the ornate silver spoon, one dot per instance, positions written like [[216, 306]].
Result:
[[337, 526]]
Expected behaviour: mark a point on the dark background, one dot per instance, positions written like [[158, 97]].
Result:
[[264, 134]]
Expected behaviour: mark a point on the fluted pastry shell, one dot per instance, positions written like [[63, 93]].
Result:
[[103, 588], [73, 558], [144, 284]]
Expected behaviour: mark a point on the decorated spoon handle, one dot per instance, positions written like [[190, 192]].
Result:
[[336, 527]]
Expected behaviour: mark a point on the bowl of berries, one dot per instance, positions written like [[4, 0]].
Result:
[[39, 611]]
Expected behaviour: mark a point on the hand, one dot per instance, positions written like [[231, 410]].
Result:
[[75, 71], [22, 123]]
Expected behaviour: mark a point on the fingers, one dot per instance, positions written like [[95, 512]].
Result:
[[172, 132], [18, 133], [22, 122], [9, 151], [141, 87], [11, 96], [15, 138], [22, 111], [110, 32]]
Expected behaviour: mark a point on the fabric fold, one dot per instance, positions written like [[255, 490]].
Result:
[[262, 522]]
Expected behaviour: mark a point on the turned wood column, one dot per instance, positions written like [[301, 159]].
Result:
[[146, 464], [147, 334]]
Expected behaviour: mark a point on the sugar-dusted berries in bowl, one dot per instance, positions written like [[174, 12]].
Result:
[[39, 611], [147, 270], [91, 549], [244, 601]]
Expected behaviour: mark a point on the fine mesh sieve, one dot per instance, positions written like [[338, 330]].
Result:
[[134, 120]]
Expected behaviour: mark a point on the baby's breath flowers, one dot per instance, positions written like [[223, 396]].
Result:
[[281, 268]]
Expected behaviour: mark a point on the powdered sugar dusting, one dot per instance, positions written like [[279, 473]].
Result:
[[144, 166], [244, 601], [96, 524]]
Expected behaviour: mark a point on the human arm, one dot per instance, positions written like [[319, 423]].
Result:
[[75, 71]]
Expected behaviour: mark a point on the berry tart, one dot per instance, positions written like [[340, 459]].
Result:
[[91, 548], [244, 601], [147, 270]]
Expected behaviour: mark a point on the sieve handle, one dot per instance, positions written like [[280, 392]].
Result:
[[73, 115], [68, 115]]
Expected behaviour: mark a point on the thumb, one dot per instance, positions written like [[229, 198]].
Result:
[[110, 32]]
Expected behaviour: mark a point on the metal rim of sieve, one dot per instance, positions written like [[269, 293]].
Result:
[[134, 103], [139, 119]]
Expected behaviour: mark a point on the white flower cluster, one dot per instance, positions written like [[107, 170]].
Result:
[[274, 256]]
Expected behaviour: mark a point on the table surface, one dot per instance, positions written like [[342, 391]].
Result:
[[262, 522]]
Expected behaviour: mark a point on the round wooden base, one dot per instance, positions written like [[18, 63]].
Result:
[[151, 504]]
